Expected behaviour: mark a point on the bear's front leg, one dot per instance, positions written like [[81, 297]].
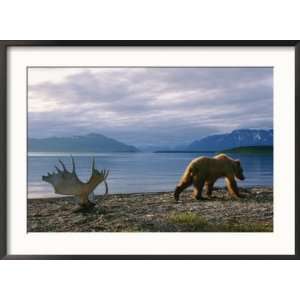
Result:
[[209, 185], [198, 187], [232, 187]]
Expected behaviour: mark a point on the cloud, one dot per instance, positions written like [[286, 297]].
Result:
[[146, 106]]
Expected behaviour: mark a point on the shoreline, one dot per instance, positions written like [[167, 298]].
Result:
[[54, 197], [156, 212]]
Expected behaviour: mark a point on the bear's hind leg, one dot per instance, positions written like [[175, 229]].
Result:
[[198, 186]]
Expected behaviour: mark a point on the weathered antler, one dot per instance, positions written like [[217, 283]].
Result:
[[67, 183]]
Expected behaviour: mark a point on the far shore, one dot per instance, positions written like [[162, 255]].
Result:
[[156, 212]]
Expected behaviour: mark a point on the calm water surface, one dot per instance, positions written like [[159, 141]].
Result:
[[138, 172]]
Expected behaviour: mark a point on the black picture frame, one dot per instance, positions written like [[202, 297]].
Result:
[[4, 45]]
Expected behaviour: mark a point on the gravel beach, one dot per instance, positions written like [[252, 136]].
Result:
[[156, 212]]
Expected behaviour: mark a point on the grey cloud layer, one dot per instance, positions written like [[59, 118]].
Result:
[[152, 105]]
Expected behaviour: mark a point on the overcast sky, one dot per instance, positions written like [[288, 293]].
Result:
[[148, 106]]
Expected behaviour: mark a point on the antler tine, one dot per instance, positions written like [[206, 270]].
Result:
[[57, 169], [106, 188], [73, 165], [104, 173], [64, 167]]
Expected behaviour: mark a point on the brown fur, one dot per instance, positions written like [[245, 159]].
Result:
[[206, 170]]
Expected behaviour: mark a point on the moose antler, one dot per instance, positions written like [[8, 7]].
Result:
[[67, 183]]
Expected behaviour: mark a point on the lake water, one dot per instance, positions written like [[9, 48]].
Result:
[[138, 172]]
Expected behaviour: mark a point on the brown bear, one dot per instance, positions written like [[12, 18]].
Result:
[[206, 170]]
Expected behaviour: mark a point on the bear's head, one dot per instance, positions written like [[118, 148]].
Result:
[[238, 170]]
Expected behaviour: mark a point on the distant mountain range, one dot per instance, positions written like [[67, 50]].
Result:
[[99, 143], [86, 143], [237, 138], [251, 150]]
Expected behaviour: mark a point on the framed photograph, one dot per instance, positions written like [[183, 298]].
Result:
[[149, 150]]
